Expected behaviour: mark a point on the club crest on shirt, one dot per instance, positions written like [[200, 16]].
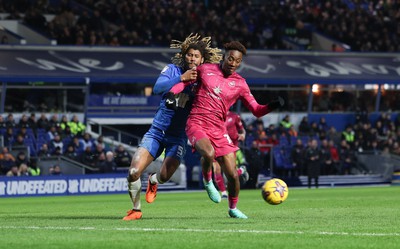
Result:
[[217, 90], [232, 83]]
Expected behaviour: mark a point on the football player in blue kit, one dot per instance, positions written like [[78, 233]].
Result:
[[167, 132]]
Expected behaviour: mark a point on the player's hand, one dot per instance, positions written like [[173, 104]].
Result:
[[170, 101], [277, 103], [189, 75]]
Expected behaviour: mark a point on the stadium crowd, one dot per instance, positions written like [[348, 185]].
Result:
[[51, 137], [54, 135], [257, 25], [337, 149]]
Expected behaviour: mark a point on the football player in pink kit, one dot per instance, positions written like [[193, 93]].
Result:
[[219, 88], [236, 132]]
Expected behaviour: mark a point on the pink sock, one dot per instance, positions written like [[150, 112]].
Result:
[[207, 175], [220, 182], [233, 201]]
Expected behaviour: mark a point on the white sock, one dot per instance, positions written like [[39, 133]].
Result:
[[155, 178], [134, 189]]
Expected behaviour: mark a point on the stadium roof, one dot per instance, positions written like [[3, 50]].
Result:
[[122, 64]]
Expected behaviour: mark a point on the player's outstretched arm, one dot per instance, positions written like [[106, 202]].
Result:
[[261, 110]]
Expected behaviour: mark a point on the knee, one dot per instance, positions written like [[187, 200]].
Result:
[[134, 174], [209, 155], [231, 175]]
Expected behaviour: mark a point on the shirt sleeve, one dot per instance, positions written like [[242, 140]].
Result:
[[166, 80]]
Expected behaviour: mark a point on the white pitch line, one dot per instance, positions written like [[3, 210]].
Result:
[[189, 230]]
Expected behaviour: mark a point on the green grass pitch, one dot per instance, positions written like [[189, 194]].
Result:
[[353, 217]]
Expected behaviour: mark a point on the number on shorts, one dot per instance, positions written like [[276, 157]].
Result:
[[228, 138], [180, 151]]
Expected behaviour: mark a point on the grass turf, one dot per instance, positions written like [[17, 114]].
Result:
[[354, 217]]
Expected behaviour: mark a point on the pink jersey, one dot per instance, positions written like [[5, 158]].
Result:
[[234, 125], [215, 95]]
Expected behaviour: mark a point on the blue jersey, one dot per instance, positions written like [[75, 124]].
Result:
[[172, 122]]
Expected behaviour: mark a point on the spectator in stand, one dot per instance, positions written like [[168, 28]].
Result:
[[32, 123], [297, 154], [71, 153], [271, 129], [322, 125], [314, 131], [381, 129], [349, 136], [285, 124], [327, 165], [313, 162], [19, 142], [292, 131], [78, 146], [34, 18], [55, 122], [347, 158], [14, 171], [64, 122], [55, 170], [34, 169], [7, 162], [2, 123], [304, 127], [23, 122], [21, 158], [333, 135], [122, 157], [24, 133], [106, 163], [24, 170], [88, 158], [255, 160], [55, 143], [44, 151], [87, 141], [260, 129], [9, 137], [10, 122], [65, 130], [43, 122], [98, 150], [77, 127], [57, 151], [51, 134], [100, 141]]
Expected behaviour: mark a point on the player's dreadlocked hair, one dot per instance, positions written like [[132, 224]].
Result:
[[211, 55], [235, 45]]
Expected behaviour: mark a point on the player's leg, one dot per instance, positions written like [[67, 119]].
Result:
[[241, 166], [175, 150], [168, 168], [140, 160], [207, 152], [219, 179], [228, 165]]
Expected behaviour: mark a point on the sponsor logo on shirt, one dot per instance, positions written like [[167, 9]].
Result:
[[164, 69]]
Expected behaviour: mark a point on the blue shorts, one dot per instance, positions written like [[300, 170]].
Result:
[[155, 141]]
